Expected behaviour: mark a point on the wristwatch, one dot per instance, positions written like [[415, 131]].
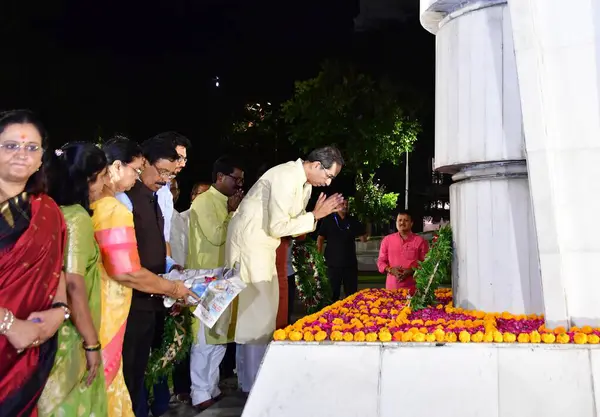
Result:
[[65, 307]]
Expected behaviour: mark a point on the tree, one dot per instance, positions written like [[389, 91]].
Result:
[[373, 205], [360, 116], [364, 119]]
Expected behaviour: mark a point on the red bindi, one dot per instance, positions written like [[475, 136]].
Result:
[[23, 136]]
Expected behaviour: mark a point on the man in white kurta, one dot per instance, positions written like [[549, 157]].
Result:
[[273, 208]]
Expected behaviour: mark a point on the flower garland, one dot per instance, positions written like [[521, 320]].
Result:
[[176, 343], [434, 270], [383, 315], [311, 276]]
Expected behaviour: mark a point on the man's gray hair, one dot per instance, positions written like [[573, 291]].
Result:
[[327, 156]]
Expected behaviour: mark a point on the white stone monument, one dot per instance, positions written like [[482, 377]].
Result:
[[518, 125]]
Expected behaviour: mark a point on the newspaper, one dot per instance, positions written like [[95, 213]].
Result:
[[217, 288]]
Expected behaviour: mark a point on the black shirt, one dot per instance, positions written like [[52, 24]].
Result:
[[149, 225], [340, 235]]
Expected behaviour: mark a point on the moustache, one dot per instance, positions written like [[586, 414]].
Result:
[[161, 183]]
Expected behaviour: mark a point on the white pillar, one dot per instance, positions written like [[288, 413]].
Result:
[[557, 45], [479, 139]]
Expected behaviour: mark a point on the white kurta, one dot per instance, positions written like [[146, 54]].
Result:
[[273, 208], [180, 228]]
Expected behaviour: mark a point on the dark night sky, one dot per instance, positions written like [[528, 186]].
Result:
[[138, 68]]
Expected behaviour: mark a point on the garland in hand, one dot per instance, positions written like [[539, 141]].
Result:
[[311, 276], [176, 343], [434, 270]]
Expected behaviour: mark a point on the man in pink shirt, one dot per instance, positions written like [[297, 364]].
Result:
[[400, 254]]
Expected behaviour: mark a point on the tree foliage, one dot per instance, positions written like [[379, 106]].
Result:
[[361, 116], [372, 204]]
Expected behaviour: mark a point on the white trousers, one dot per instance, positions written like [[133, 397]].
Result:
[[248, 359], [204, 368]]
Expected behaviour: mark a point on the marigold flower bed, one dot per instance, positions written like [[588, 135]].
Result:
[[383, 315]]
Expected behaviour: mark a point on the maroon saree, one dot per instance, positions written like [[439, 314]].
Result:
[[32, 237]]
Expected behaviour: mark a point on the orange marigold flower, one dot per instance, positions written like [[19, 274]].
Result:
[[464, 336], [309, 337], [423, 330], [336, 336], [548, 338], [374, 311], [385, 336], [498, 337], [523, 338], [477, 337], [295, 336], [320, 336], [509, 337], [535, 337], [580, 338], [430, 337], [439, 335], [593, 339], [450, 337], [506, 315], [488, 337], [348, 337], [371, 337], [439, 306], [397, 336], [279, 335], [587, 329], [563, 338], [407, 337], [575, 329], [419, 337], [359, 336], [560, 330]]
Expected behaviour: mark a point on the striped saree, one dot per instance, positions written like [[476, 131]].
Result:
[[115, 234]]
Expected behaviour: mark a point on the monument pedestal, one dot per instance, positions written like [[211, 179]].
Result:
[[421, 379]]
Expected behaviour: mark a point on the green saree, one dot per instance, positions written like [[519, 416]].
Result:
[[66, 393]]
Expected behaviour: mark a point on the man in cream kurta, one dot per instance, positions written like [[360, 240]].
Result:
[[273, 208]]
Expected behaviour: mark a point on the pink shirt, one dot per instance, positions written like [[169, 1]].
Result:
[[398, 252]]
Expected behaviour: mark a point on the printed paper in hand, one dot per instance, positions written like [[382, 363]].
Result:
[[217, 288]]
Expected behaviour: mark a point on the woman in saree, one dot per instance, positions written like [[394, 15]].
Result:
[[115, 234], [76, 172], [32, 287]]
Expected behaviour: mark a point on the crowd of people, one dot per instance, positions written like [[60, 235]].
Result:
[[86, 232]]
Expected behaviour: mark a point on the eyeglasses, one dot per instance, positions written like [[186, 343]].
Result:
[[330, 176], [182, 158], [165, 173], [138, 171], [238, 180], [12, 147]]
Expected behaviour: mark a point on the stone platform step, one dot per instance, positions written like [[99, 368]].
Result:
[[422, 379]]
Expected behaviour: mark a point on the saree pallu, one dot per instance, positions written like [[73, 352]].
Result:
[[66, 392], [115, 234], [32, 236]]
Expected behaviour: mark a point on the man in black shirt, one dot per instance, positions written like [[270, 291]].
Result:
[[147, 313], [340, 230]]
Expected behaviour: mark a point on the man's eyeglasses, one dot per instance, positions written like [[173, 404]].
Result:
[[182, 158], [165, 173], [330, 176], [238, 180], [12, 147]]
